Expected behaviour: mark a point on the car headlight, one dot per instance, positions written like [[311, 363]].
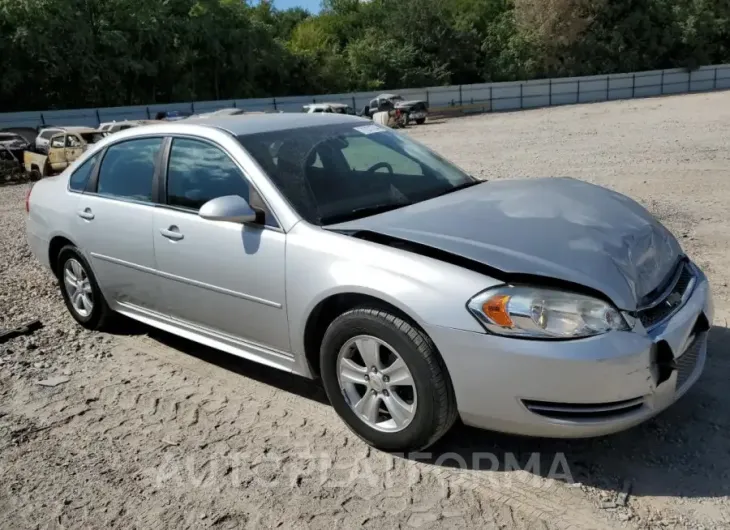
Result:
[[544, 313]]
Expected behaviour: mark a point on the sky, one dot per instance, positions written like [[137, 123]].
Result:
[[310, 5]]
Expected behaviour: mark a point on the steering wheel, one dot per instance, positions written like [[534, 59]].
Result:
[[373, 169]]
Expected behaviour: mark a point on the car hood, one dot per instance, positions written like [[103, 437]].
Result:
[[558, 228]]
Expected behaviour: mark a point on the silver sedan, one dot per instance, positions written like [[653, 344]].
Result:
[[333, 248]]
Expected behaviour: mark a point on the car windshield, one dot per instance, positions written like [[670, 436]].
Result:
[[335, 173]]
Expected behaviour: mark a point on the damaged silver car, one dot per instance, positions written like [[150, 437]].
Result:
[[336, 249]]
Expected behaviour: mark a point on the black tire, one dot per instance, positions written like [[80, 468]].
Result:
[[101, 314], [436, 404], [35, 175], [421, 121]]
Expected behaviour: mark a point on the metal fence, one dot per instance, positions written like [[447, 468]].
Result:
[[486, 97]]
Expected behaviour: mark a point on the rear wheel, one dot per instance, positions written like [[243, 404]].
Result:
[[385, 378], [80, 291]]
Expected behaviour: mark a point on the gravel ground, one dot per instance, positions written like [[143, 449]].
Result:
[[147, 430]]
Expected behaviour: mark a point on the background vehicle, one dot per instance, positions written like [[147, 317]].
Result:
[[415, 110], [28, 133], [115, 126], [44, 135], [232, 111], [13, 144], [63, 149], [172, 115], [337, 108]]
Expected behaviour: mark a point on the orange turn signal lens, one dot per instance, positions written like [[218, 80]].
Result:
[[496, 309]]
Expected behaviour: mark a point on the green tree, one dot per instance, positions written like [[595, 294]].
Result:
[[86, 53]]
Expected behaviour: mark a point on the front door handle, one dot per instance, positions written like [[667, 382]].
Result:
[[86, 213], [172, 233]]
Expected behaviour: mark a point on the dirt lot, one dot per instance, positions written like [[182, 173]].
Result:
[[150, 431]]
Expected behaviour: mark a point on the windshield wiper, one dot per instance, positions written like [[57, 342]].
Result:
[[365, 211]]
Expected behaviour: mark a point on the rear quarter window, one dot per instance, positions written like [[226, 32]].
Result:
[[80, 178]]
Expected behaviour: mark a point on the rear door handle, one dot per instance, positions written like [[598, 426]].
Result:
[[172, 233], [86, 213]]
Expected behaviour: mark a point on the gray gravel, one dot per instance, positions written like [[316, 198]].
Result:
[[140, 429], [28, 293]]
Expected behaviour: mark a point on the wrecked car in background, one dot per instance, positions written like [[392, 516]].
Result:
[[12, 147], [337, 108], [229, 111], [12, 144], [63, 148], [45, 133], [415, 110], [172, 115], [116, 126]]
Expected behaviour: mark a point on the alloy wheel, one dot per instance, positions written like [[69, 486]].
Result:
[[78, 287], [376, 383]]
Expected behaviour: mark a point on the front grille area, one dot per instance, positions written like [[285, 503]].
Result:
[[687, 363], [670, 300], [584, 411]]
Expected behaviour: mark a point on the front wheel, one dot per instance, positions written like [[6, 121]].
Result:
[[386, 380], [421, 121]]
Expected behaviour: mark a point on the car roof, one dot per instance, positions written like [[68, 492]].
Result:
[[244, 124]]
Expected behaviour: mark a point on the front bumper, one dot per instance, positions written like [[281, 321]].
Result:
[[580, 388]]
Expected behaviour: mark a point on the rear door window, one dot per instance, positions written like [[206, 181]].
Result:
[[128, 168]]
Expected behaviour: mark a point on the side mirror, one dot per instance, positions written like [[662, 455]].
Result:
[[232, 208]]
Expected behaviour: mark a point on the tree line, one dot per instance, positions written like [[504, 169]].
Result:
[[57, 54]]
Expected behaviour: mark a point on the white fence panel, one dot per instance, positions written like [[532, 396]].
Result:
[[481, 97], [723, 77]]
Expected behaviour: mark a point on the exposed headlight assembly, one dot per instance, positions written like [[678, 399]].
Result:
[[544, 313]]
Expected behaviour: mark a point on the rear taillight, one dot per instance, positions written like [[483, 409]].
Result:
[[27, 200]]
